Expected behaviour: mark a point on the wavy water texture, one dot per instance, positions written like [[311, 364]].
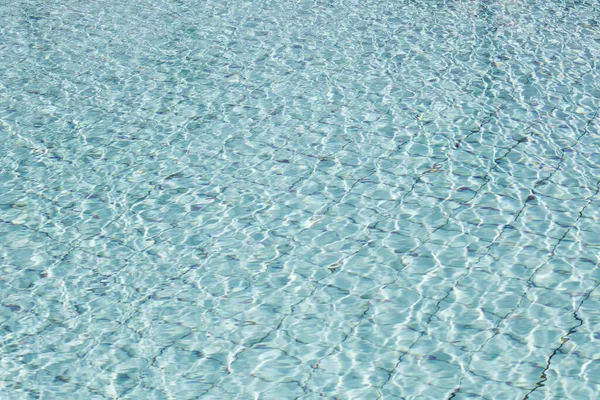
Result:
[[299, 199]]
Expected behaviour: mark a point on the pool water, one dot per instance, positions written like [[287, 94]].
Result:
[[299, 199]]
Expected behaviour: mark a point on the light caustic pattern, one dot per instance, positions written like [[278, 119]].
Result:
[[299, 199]]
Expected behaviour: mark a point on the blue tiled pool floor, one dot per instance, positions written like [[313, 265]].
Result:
[[299, 199]]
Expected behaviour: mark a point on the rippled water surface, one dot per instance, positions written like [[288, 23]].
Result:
[[299, 199]]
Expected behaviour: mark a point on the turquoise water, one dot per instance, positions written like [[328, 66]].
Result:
[[299, 199]]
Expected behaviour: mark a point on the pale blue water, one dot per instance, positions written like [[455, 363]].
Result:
[[299, 199]]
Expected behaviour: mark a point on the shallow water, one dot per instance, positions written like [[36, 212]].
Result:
[[299, 199]]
